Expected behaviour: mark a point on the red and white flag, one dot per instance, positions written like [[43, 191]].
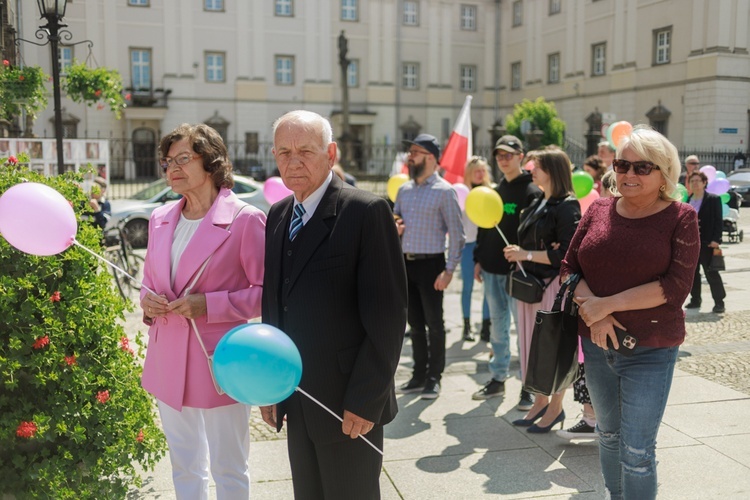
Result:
[[459, 148]]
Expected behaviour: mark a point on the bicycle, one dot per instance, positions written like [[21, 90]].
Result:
[[119, 252]]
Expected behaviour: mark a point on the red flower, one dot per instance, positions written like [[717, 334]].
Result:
[[102, 396], [139, 438], [6, 62], [12, 160], [26, 430], [21, 78], [71, 360], [125, 345], [98, 93], [41, 342], [55, 297], [100, 106], [128, 96]]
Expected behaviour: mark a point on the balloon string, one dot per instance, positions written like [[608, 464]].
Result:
[[337, 417], [113, 265], [507, 243]]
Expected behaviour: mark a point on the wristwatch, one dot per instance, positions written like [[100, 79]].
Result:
[[529, 256]]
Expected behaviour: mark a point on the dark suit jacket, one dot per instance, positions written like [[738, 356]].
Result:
[[345, 305], [710, 219]]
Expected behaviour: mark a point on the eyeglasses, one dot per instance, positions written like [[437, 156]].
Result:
[[639, 167], [505, 156], [180, 159]]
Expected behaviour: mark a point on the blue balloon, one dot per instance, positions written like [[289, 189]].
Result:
[[257, 364]]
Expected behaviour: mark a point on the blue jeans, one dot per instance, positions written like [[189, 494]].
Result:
[[501, 307], [629, 395], [467, 277]]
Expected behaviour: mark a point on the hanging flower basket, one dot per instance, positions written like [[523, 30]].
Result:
[[95, 85], [21, 89]]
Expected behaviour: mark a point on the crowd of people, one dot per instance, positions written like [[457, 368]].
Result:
[[315, 267]]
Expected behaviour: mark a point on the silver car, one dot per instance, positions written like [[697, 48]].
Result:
[[137, 209]]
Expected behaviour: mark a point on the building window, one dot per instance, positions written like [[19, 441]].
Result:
[[284, 70], [553, 68], [410, 76], [468, 78], [555, 6], [515, 76], [140, 69], [352, 73], [215, 67], [598, 59], [517, 13], [662, 45], [284, 8], [138, 3], [469, 17], [349, 10], [65, 58], [213, 5], [411, 13]]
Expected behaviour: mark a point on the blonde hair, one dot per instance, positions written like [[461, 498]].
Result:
[[651, 146], [477, 162]]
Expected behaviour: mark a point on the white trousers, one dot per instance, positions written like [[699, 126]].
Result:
[[194, 435]]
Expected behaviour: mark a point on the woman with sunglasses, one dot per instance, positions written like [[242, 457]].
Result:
[[546, 228], [206, 279], [636, 254]]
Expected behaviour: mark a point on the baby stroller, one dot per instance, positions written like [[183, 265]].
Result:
[[730, 220]]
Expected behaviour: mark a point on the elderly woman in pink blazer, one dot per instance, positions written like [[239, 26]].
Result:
[[208, 224]]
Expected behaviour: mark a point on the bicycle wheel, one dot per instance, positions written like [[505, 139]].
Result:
[[114, 255], [135, 269]]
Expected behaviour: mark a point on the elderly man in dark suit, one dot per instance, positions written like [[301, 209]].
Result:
[[335, 282]]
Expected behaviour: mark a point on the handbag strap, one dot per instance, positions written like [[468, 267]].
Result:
[[569, 286]]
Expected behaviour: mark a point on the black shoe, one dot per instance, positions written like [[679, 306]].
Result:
[[484, 335], [468, 336], [431, 389], [526, 402], [413, 385], [490, 390], [719, 308], [528, 422], [578, 431], [536, 429], [693, 304]]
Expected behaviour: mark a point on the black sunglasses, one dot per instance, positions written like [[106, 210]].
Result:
[[639, 167]]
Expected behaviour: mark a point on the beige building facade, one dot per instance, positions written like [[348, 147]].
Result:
[[681, 65]]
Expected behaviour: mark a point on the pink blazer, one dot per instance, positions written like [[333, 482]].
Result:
[[176, 371]]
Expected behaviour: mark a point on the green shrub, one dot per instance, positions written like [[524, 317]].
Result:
[[541, 113], [74, 419]]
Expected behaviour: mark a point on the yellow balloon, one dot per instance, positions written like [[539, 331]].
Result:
[[394, 183], [484, 207]]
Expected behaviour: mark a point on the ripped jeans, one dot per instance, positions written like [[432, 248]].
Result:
[[629, 395]]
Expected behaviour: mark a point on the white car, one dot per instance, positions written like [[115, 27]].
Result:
[[137, 209]]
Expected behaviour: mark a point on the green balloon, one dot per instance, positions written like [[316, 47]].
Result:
[[725, 197], [683, 192], [583, 183]]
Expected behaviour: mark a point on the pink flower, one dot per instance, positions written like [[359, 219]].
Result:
[[55, 297], [26, 430], [100, 106], [98, 93], [128, 96], [102, 396], [139, 438], [6, 62], [125, 345], [41, 342], [12, 160], [71, 360]]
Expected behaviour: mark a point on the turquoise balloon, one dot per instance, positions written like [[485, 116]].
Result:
[[257, 364], [724, 210], [725, 197], [720, 174], [583, 183], [683, 192]]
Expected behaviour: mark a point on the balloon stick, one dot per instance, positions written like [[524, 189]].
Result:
[[114, 266], [507, 243], [337, 417]]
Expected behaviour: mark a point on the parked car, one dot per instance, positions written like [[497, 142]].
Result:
[[739, 180], [137, 209]]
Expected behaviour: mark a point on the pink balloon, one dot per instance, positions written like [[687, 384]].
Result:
[[274, 190], [718, 186], [462, 191], [36, 219], [587, 200], [710, 172], [529, 165]]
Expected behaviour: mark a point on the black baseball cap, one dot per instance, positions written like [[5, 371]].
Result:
[[509, 143], [428, 142]]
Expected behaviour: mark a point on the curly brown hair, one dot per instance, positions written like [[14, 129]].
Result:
[[208, 144]]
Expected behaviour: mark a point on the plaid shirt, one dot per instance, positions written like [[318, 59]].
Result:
[[430, 210]]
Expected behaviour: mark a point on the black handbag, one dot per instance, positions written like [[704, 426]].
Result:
[[553, 356], [717, 261], [526, 288]]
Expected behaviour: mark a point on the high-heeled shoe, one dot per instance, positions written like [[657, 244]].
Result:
[[526, 422], [536, 429]]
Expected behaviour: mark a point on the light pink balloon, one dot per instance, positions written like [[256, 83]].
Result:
[[710, 172], [274, 190], [36, 219], [529, 165], [587, 200], [462, 191], [718, 186]]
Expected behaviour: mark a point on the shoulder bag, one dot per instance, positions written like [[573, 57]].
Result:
[[525, 286], [717, 261], [553, 355]]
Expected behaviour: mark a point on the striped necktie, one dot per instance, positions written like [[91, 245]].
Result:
[[299, 211]]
